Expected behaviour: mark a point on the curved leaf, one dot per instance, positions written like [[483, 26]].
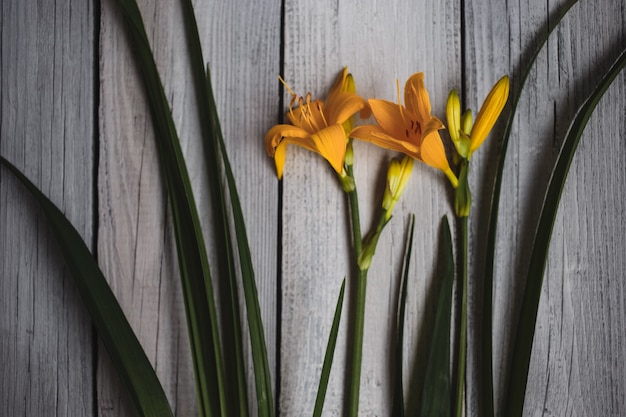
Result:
[[530, 303], [216, 147], [126, 353], [436, 396], [329, 355], [397, 406], [193, 264], [487, 370]]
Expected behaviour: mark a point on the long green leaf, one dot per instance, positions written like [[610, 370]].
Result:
[[231, 320], [534, 280], [262, 374], [255, 326], [397, 406], [118, 337], [436, 396], [329, 355], [487, 321], [194, 269]]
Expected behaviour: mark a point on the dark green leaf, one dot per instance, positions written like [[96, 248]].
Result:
[[194, 269], [126, 353], [397, 407], [487, 371], [262, 374], [263, 380], [541, 243], [436, 397], [231, 320], [330, 353]]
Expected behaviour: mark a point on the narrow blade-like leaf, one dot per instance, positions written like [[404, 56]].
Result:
[[541, 243], [436, 396], [329, 355], [194, 269], [127, 355], [216, 142], [231, 320], [397, 406], [487, 354], [262, 374]]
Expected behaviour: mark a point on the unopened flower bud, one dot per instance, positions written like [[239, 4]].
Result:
[[398, 176]]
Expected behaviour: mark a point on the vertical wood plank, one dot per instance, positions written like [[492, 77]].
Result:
[[379, 44], [136, 244], [579, 316], [47, 131], [578, 351]]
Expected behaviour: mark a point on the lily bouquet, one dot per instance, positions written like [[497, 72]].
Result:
[[409, 128]]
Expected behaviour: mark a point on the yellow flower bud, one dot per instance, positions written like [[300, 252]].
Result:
[[398, 176], [349, 87], [489, 113], [466, 122], [453, 115]]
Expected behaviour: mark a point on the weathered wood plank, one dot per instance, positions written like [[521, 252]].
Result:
[[379, 44], [46, 130], [135, 239], [581, 311], [46, 88]]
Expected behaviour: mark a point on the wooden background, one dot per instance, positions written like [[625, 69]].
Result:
[[74, 119]]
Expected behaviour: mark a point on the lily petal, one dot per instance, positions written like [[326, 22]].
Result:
[[432, 125], [279, 133], [342, 106], [374, 134], [279, 159], [433, 152], [331, 143], [340, 82], [416, 97], [396, 121]]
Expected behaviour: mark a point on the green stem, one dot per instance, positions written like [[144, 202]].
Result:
[[360, 290], [357, 343], [353, 201], [462, 227]]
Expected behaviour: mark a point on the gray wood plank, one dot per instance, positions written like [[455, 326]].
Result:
[[47, 107], [136, 246], [379, 44], [46, 130], [580, 317]]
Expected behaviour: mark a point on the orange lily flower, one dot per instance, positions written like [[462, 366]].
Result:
[[317, 125], [411, 129]]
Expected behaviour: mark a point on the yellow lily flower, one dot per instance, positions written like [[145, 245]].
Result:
[[411, 129], [317, 125], [489, 113]]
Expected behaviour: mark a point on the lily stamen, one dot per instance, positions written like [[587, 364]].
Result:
[[400, 107], [319, 108]]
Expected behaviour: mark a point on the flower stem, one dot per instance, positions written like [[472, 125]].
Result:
[[359, 313], [357, 343], [462, 354], [353, 201]]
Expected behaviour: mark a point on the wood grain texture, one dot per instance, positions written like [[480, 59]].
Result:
[[51, 89], [584, 46], [46, 130], [136, 246], [379, 44]]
